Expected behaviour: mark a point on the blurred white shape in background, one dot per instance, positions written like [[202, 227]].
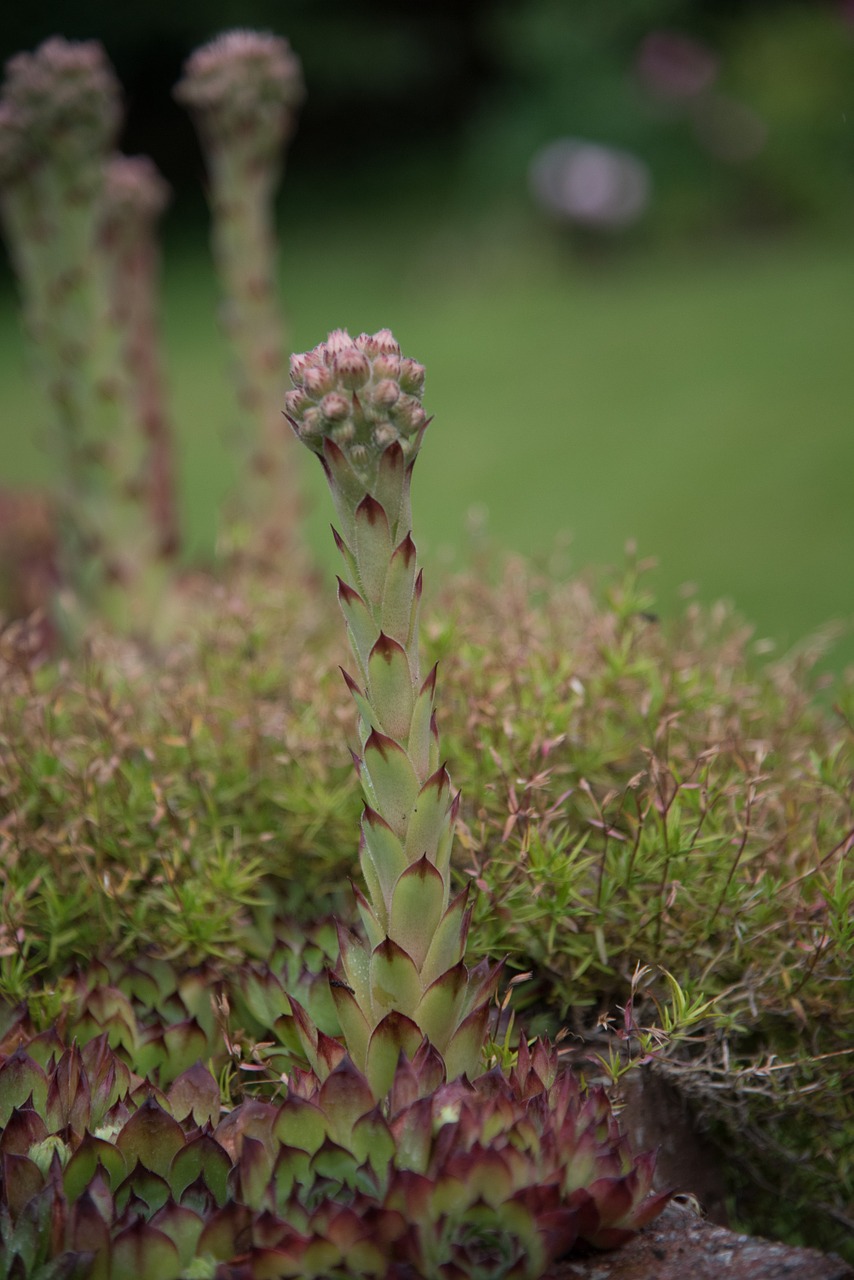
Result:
[[590, 185]]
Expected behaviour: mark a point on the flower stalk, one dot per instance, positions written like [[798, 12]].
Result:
[[59, 116], [243, 90], [357, 405], [135, 195]]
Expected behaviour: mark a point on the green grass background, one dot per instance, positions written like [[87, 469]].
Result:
[[699, 404]]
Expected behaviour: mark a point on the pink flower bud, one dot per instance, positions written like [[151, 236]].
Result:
[[334, 406], [317, 380], [385, 393], [412, 376], [352, 368], [387, 365]]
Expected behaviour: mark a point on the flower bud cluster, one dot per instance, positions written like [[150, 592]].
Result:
[[244, 88], [135, 193], [67, 100], [361, 394]]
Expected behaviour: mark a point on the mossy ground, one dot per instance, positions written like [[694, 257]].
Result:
[[634, 793]]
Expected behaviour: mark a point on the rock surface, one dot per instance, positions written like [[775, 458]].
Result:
[[681, 1245]]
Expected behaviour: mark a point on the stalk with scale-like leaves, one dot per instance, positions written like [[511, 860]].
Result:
[[357, 405]]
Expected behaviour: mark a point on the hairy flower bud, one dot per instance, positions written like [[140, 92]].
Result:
[[243, 88], [364, 383], [68, 99]]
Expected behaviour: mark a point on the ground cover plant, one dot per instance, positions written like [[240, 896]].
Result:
[[658, 829]]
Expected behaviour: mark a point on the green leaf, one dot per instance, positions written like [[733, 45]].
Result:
[[422, 738], [196, 1093], [21, 1179], [185, 1043], [300, 1124], [438, 1011], [392, 486], [148, 1187], [464, 1052], [395, 981], [373, 929], [90, 1155], [344, 1098], [373, 548], [21, 1078], [355, 1027], [362, 630], [151, 1136], [417, 906], [390, 687], [400, 604], [356, 963], [382, 851], [182, 1226], [429, 823], [145, 1253], [203, 1158], [394, 1035], [449, 940], [393, 781]]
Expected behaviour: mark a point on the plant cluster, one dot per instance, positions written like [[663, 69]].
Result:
[[200, 1074], [80, 220]]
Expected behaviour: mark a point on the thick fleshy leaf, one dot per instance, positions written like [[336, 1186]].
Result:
[[368, 718], [143, 1186], [253, 1172], [371, 1140], [390, 687], [25, 1127], [185, 1043], [355, 1027], [227, 1233], [252, 1119], [395, 982], [438, 1011], [465, 1049], [301, 1124], [421, 740], [90, 1155], [68, 1096], [356, 963], [361, 627], [449, 940], [182, 1226], [145, 1253], [482, 984], [21, 1179], [152, 1137], [343, 481], [417, 906], [203, 1158], [335, 1163], [373, 929], [373, 548], [430, 820], [344, 1098], [393, 782], [88, 1232], [392, 486], [21, 1080], [399, 604], [382, 849], [393, 1035], [195, 1093]]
